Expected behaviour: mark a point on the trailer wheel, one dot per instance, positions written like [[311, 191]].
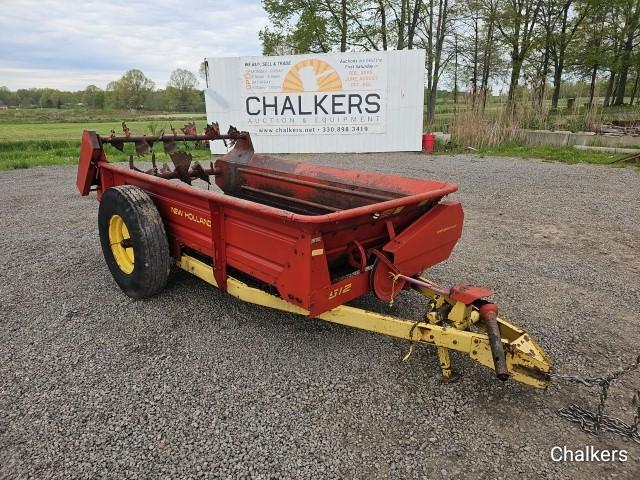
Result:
[[134, 242]]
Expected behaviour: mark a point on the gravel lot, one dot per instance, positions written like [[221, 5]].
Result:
[[193, 383]]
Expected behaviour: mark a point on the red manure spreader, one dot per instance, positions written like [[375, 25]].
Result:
[[298, 237]]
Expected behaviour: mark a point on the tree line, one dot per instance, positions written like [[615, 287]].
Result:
[[133, 91], [477, 44]]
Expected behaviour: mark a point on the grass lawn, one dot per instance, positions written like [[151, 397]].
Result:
[[551, 153], [85, 115], [29, 153], [52, 137], [14, 131], [24, 145]]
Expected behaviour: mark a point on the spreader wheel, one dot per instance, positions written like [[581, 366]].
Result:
[[382, 281], [134, 242]]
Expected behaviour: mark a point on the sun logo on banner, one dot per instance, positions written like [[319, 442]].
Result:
[[312, 75]]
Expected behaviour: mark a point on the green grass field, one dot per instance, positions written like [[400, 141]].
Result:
[[43, 137], [30, 153], [551, 153], [84, 115], [59, 130], [27, 153]]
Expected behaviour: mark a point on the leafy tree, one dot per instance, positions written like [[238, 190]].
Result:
[[630, 13], [587, 55], [50, 98], [6, 96], [93, 97], [297, 26], [516, 22], [436, 26], [566, 17], [180, 88], [181, 93], [131, 91]]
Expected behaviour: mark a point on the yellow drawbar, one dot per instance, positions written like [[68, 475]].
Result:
[[526, 362]]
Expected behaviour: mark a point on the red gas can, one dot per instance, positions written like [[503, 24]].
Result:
[[428, 142]]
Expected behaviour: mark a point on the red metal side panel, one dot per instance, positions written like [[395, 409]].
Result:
[[355, 179], [366, 230], [429, 240], [293, 252], [90, 152], [187, 221], [339, 293], [259, 245], [186, 216]]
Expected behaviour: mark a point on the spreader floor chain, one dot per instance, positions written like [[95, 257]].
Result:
[[525, 361]]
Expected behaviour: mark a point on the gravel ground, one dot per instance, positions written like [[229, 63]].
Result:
[[193, 383]]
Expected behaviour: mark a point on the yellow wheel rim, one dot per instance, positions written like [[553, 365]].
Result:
[[120, 242]]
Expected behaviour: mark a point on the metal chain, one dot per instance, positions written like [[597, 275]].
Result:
[[407, 355], [636, 419], [594, 423]]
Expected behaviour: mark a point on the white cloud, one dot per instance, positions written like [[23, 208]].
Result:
[[68, 45]]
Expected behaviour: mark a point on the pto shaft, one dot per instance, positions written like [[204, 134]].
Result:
[[489, 313]]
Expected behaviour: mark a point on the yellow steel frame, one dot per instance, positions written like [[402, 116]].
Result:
[[526, 362]]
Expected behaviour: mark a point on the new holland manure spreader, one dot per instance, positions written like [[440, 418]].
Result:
[[311, 238]]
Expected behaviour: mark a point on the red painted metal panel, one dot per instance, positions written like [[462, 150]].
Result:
[[469, 293], [219, 238], [429, 240], [299, 253], [339, 293], [260, 240], [90, 153], [359, 180]]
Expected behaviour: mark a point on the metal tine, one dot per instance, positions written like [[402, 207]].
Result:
[[143, 147], [132, 166], [154, 168], [233, 131], [212, 129], [190, 129], [181, 160], [117, 145], [170, 146], [199, 172]]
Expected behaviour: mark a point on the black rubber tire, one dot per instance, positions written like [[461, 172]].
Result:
[[152, 261]]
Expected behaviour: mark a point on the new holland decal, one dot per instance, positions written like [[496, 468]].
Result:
[[193, 217]]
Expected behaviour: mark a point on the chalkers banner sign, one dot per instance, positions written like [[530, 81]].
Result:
[[302, 95], [336, 102]]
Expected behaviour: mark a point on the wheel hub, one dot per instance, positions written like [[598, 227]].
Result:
[[121, 245]]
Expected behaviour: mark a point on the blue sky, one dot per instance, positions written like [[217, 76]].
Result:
[[71, 44]]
